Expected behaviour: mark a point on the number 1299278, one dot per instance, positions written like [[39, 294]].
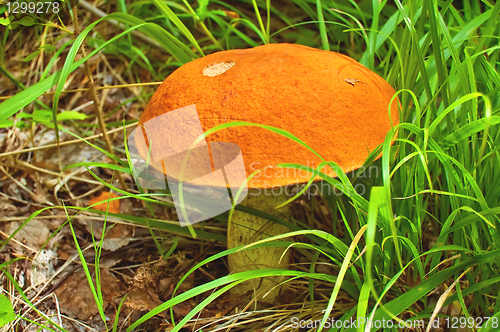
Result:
[[472, 322], [33, 7]]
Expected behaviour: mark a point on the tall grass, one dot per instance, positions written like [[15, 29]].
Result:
[[432, 213]]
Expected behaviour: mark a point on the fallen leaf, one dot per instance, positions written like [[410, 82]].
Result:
[[142, 294], [43, 267], [105, 197], [117, 235], [7, 209], [154, 284], [76, 299], [33, 234]]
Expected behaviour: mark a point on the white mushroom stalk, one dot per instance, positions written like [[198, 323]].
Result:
[[245, 229]]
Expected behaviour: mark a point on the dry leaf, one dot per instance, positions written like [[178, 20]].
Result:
[[43, 267], [33, 234], [150, 286], [76, 299], [118, 235], [142, 293], [7, 209], [104, 197]]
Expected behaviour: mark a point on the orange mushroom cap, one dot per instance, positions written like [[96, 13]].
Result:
[[328, 100]]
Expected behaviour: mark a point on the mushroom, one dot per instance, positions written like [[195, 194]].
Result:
[[328, 100]]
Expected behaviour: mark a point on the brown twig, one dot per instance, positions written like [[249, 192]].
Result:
[[97, 105], [97, 88], [75, 141]]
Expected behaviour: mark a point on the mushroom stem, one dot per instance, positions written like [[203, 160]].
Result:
[[245, 229]]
